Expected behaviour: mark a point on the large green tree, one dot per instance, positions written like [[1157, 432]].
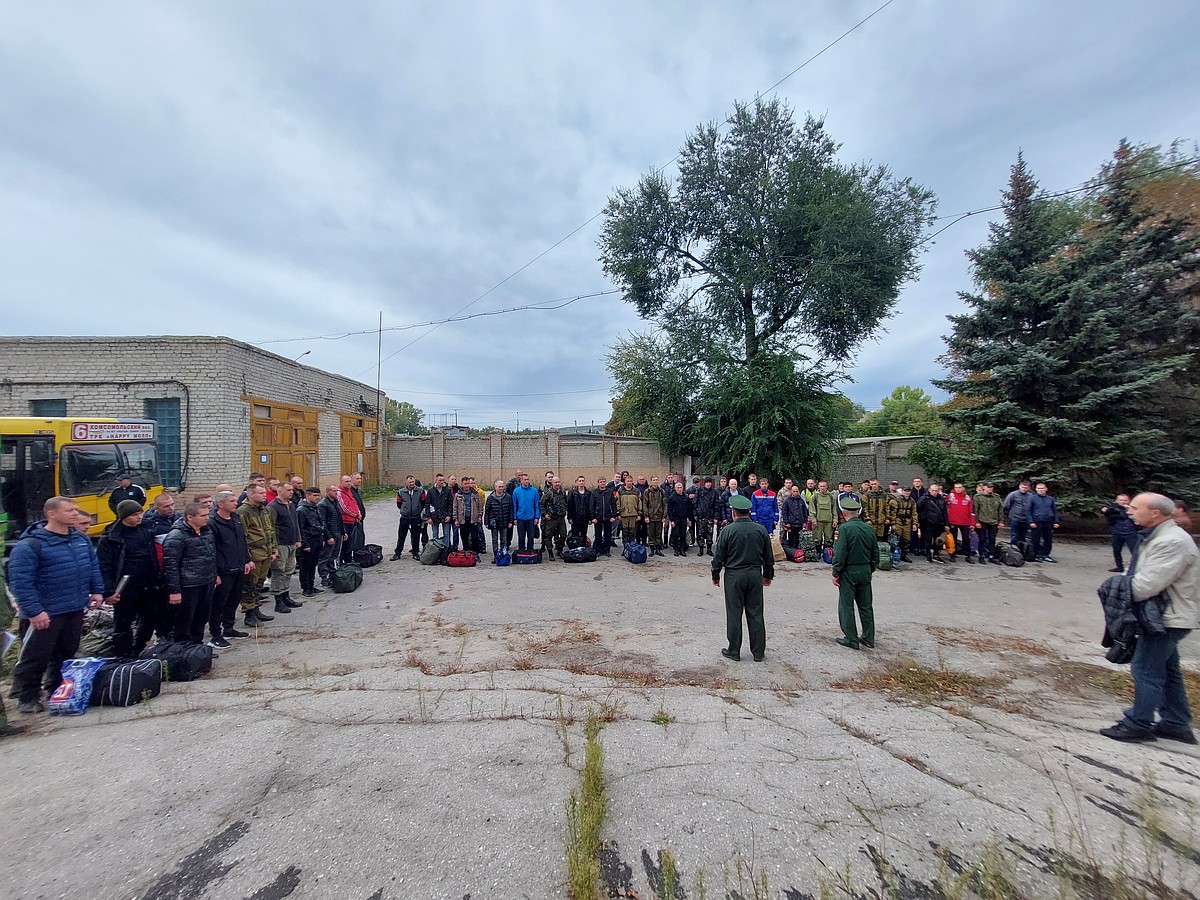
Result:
[[905, 411], [1079, 324], [404, 418], [762, 268]]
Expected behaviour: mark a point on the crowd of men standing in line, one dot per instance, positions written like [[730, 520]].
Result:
[[171, 573]]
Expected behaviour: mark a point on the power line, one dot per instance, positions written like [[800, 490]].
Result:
[[492, 396], [584, 225]]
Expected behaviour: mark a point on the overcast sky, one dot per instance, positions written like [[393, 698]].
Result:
[[272, 170]]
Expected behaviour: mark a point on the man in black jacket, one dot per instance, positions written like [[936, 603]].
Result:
[[439, 507], [579, 509], [498, 517], [126, 490], [127, 547], [287, 532], [679, 510], [331, 522], [604, 517], [932, 517], [708, 502], [233, 565], [190, 572], [312, 541]]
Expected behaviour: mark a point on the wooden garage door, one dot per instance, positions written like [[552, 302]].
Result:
[[283, 439], [360, 448]]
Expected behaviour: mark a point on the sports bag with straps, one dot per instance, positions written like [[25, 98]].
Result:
[[579, 555], [346, 579], [527, 557], [370, 555], [180, 661], [461, 558], [433, 552], [635, 552]]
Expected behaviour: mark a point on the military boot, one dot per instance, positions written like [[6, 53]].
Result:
[[292, 604], [281, 606]]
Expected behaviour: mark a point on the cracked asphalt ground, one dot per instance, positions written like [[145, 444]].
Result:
[[419, 739]]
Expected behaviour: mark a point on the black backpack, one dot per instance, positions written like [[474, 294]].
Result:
[[180, 661], [369, 555], [1027, 550], [346, 579], [1013, 556]]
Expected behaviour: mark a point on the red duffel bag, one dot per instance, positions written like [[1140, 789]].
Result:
[[461, 558]]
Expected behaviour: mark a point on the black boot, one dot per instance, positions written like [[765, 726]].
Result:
[[262, 616], [293, 604], [549, 552], [281, 606]]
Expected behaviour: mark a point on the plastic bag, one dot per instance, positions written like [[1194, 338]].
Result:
[[950, 545], [72, 696]]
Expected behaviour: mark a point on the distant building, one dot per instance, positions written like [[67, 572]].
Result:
[[223, 408]]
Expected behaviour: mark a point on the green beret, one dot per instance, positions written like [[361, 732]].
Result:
[[737, 501], [850, 505]]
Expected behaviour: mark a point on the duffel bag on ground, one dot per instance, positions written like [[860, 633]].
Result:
[[579, 555], [1013, 557], [501, 558], [806, 540], [72, 696], [635, 552], [461, 558], [432, 553], [346, 579], [127, 683], [180, 661], [370, 555], [1027, 550], [574, 541], [527, 557], [885, 557], [793, 554]]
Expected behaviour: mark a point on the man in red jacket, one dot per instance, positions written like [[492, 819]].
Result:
[[960, 514], [352, 533]]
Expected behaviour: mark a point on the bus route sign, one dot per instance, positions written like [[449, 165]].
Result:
[[112, 431]]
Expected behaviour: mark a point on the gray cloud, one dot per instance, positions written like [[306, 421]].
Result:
[[284, 170]]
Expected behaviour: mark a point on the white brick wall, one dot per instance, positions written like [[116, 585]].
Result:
[[113, 376]]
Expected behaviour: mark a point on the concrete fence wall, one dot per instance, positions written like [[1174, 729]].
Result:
[[497, 455]]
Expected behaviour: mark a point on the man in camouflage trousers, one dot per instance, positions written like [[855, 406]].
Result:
[[823, 510], [264, 549], [904, 517], [656, 513], [629, 509], [878, 508], [554, 517]]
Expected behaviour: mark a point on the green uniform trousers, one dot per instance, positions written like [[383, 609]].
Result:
[[656, 533], [253, 582], [823, 534], [855, 590], [554, 533], [744, 596]]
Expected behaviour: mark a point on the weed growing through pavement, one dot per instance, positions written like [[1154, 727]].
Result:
[[662, 717], [586, 811]]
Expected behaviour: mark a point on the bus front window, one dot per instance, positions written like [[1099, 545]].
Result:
[[89, 469], [141, 461]]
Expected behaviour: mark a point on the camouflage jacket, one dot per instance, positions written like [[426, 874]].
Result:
[[656, 504], [629, 503], [554, 503], [259, 528]]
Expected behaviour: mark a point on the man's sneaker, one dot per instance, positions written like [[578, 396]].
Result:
[[1122, 732], [309, 594], [1183, 735], [234, 633], [1049, 559], [1116, 569], [971, 560], [392, 558], [28, 707], [219, 643], [317, 590]]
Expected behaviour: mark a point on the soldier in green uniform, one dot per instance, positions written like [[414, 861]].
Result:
[[264, 550], [655, 502], [878, 508], [904, 517], [7, 613], [855, 557], [554, 517], [744, 551], [823, 510]]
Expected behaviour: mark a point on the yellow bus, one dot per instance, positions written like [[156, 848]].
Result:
[[72, 457]]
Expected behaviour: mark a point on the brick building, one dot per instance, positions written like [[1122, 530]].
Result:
[[223, 408]]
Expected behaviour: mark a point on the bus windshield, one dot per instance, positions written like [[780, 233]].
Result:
[[141, 461], [89, 469]]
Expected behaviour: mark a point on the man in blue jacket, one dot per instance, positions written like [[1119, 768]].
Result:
[[1124, 531], [54, 575], [1043, 520], [527, 510]]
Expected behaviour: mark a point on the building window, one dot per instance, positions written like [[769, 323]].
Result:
[[165, 413], [262, 412], [47, 409]]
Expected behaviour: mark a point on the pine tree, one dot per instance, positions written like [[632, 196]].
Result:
[[1075, 330]]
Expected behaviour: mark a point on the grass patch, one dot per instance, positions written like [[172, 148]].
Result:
[[989, 643], [1082, 679], [663, 718], [414, 661], [586, 811], [906, 679], [572, 632]]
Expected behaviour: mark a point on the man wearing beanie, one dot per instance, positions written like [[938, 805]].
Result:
[[127, 548]]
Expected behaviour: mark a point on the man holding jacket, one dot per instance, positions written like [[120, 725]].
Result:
[[1167, 563]]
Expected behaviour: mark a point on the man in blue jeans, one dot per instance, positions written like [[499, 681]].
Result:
[[1167, 562], [527, 510], [1124, 532], [1016, 507], [1043, 521]]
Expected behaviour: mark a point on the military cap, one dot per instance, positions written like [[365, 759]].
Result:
[[850, 504], [737, 501]]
